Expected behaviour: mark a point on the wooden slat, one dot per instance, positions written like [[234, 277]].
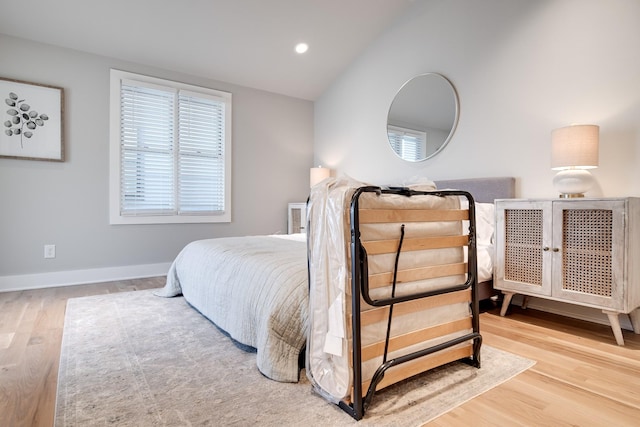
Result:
[[377, 216], [376, 247], [422, 364], [379, 314], [411, 338], [381, 280]]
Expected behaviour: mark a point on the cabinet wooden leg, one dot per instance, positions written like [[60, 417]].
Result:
[[525, 301], [635, 320], [615, 325], [505, 302]]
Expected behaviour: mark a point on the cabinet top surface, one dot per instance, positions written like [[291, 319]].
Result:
[[580, 199]]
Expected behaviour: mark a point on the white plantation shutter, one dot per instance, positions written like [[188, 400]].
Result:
[[173, 148], [407, 143], [201, 153]]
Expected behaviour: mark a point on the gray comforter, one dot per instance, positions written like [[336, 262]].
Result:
[[255, 289]]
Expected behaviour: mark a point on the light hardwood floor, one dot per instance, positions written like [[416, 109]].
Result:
[[31, 325], [581, 378]]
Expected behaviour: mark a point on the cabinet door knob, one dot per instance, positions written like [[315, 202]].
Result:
[[556, 250], [546, 248]]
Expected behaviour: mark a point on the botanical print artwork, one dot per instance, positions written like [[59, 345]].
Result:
[[20, 116], [31, 121]]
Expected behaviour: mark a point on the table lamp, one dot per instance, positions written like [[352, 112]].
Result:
[[574, 150]]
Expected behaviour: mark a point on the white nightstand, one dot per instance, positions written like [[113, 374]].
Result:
[[579, 251], [297, 218]]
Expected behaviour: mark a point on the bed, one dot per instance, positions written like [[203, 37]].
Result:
[[255, 288]]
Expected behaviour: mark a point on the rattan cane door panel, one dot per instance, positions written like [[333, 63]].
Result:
[[522, 244], [588, 267], [297, 218]]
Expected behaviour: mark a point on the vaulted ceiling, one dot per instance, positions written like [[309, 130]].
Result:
[[245, 42]]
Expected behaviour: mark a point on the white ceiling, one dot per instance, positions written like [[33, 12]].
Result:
[[245, 42]]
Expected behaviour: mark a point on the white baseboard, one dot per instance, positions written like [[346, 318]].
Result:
[[79, 277], [571, 310]]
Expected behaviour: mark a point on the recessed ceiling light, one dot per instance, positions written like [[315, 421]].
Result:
[[302, 47]]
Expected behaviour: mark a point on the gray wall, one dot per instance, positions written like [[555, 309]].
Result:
[[521, 67], [66, 204]]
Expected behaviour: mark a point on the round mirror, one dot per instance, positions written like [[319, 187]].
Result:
[[422, 117]]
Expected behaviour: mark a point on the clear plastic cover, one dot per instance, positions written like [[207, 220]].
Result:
[[328, 363], [328, 239]]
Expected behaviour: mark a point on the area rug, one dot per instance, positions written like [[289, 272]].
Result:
[[134, 359]]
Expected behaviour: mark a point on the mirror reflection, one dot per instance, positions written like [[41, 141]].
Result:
[[422, 117]]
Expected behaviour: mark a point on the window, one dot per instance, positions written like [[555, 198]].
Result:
[[409, 144], [170, 152]]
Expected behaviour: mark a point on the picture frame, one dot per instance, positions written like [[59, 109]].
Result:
[[32, 121]]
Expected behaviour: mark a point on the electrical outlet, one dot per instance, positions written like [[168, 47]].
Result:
[[49, 251]]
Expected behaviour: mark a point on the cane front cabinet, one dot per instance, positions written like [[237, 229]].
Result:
[[297, 218], [579, 251]]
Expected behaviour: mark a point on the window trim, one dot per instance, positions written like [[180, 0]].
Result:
[[116, 77]]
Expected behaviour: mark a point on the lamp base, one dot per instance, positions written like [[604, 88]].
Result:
[[571, 196], [573, 183]]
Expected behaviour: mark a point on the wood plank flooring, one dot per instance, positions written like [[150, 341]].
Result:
[[581, 378], [31, 325]]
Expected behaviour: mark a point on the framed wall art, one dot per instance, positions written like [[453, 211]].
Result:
[[31, 121]]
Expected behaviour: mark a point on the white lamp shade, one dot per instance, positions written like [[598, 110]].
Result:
[[317, 175], [575, 147]]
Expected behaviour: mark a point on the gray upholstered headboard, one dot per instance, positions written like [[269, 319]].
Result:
[[483, 190]]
